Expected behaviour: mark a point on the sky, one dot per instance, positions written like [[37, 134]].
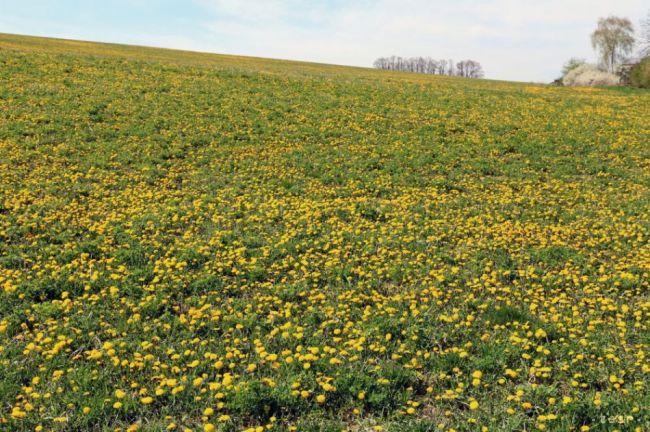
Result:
[[519, 40]]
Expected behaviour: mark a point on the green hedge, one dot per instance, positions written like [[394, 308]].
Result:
[[640, 74]]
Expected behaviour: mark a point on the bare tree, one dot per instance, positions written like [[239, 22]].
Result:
[[460, 69], [613, 38], [451, 71], [473, 69], [469, 69], [644, 39], [442, 67]]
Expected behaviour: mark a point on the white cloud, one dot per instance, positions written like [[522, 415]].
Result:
[[513, 39]]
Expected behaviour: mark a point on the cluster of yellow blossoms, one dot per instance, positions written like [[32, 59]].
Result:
[[203, 243]]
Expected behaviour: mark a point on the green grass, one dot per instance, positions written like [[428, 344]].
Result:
[[251, 235]]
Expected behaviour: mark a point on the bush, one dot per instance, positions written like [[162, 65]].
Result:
[[571, 65], [640, 74], [588, 75]]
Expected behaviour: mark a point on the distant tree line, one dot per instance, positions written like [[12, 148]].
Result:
[[428, 65]]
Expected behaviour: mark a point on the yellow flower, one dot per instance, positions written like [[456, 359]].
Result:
[[17, 412], [511, 373], [160, 248]]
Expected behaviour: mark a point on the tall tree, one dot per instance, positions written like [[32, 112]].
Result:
[[644, 40], [473, 69], [613, 39]]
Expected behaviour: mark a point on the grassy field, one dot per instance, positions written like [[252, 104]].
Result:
[[213, 243]]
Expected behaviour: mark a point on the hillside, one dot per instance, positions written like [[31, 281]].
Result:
[[204, 242]]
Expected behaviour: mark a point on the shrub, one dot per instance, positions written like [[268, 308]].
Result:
[[588, 76], [640, 74], [572, 64]]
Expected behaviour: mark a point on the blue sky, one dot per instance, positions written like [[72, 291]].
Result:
[[513, 39]]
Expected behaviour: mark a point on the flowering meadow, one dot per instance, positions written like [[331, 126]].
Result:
[[197, 242]]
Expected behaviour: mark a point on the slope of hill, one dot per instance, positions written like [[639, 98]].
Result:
[[212, 242]]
